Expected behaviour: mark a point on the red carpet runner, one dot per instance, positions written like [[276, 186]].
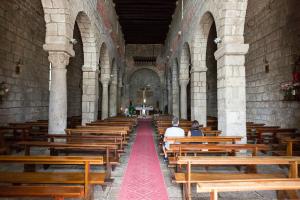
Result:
[[143, 179]]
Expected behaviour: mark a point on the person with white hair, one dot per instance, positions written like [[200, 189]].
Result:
[[173, 131]]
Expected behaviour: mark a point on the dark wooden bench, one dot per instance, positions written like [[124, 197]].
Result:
[[56, 184]]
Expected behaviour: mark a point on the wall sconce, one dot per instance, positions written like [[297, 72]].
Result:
[[3, 90], [73, 41], [266, 64], [179, 33], [218, 40], [19, 66]]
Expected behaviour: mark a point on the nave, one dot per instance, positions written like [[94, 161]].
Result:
[[82, 77]]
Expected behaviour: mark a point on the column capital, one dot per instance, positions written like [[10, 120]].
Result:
[[105, 78], [231, 49], [59, 59], [114, 83], [105, 83], [120, 85], [184, 82], [64, 47]]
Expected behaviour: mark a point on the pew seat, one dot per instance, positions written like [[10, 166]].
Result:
[[57, 192]]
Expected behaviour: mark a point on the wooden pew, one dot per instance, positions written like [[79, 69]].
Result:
[[89, 138], [290, 149], [279, 184], [98, 131], [4, 149], [59, 185], [181, 149], [190, 177], [208, 139], [107, 127], [195, 149], [270, 135], [206, 131], [82, 147]]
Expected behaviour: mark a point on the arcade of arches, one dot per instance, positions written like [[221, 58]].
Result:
[[207, 58], [197, 77]]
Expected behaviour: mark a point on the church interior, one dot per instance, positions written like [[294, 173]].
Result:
[[91, 89]]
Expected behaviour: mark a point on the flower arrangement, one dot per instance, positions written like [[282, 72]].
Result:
[[287, 86], [290, 90]]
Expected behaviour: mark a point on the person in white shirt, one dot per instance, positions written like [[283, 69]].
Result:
[[173, 131]]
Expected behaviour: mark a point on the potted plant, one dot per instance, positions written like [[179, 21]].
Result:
[[287, 88]]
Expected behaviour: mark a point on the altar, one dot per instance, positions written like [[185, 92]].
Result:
[[144, 110]]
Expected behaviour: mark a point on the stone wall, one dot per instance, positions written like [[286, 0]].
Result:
[[272, 30], [74, 77], [22, 35], [153, 73], [211, 63]]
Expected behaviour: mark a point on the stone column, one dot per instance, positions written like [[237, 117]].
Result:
[[113, 99], [58, 93], [104, 99], [119, 99], [170, 101], [232, 89], [183, 98], [175, 93], [90, 94], [198, 95]]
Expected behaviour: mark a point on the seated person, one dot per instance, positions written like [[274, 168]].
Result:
[[195, 129], [173, 131]]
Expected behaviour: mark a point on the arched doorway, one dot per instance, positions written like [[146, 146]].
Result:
[[74, 77], [211, 74], [145, 88]]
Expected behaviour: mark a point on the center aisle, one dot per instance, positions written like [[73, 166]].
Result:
[[143, 178]]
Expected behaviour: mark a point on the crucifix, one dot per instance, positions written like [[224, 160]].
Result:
[[144, 95]]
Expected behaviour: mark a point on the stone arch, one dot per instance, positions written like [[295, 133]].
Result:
[[199, 67], [145, 78], [161, 77], [114, 70], [59, 29], [88, 40], [185, 62], [75, 76], [105, 67], [200, 40], [211, 73]]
